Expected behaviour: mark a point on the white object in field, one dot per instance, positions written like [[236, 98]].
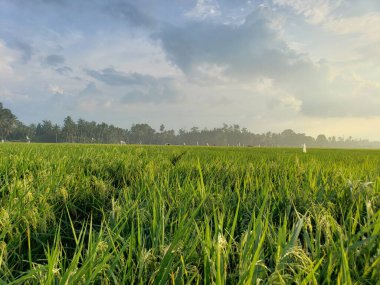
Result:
[[122, 142], [207, 144], [27, 139], [2, 141], [184, 143], [197, 143], [304, 148]]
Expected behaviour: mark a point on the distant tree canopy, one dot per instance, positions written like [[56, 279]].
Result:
[[82, 131]]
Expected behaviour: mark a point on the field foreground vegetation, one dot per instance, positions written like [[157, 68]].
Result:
[[79, 214]]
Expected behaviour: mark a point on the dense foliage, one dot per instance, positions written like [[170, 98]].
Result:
[[75, 214], [83, 131], [8, 121]]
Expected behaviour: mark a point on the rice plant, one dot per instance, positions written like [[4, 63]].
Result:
[[122, 214]]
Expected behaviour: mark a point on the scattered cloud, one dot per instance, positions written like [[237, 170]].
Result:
[[90, 90], [208, 74], [7, 96], [111, 76], [253, 49], [288, 102], [54, 60], [6, 59], [129, 12], [204, 9], [364, 28], [315, 11], [64, 70], [56, 90], [142, 88], [24, 48], [263, 64]]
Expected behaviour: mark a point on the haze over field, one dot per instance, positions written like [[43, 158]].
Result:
[[309, 65]]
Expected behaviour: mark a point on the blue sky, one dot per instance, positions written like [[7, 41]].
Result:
[[309, 65]]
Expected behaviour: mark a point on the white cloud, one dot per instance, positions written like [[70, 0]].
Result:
[[364, 28], [367, 83], [230, 61], [248, 53], [204, 9], [291, 102], [8, 96], [315, 11], [138, 53], [6, 58], [56, 90], [212, 73]]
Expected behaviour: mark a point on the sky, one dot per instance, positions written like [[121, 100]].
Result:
[[309, 65]]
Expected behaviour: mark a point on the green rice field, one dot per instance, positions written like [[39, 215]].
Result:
[[112, 214]]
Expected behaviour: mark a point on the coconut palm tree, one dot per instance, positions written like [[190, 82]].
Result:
[[8, 122]]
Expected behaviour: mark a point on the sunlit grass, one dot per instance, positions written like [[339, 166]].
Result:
[[76, 214]]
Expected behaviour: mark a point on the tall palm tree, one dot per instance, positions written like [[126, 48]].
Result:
[[8, 121]]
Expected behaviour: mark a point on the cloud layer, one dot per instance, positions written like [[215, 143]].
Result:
[[266, 65]]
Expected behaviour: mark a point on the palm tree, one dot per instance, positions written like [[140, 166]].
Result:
[[69, 129], [8, 122]]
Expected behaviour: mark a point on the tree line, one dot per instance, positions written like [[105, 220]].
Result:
[[82, 131]]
